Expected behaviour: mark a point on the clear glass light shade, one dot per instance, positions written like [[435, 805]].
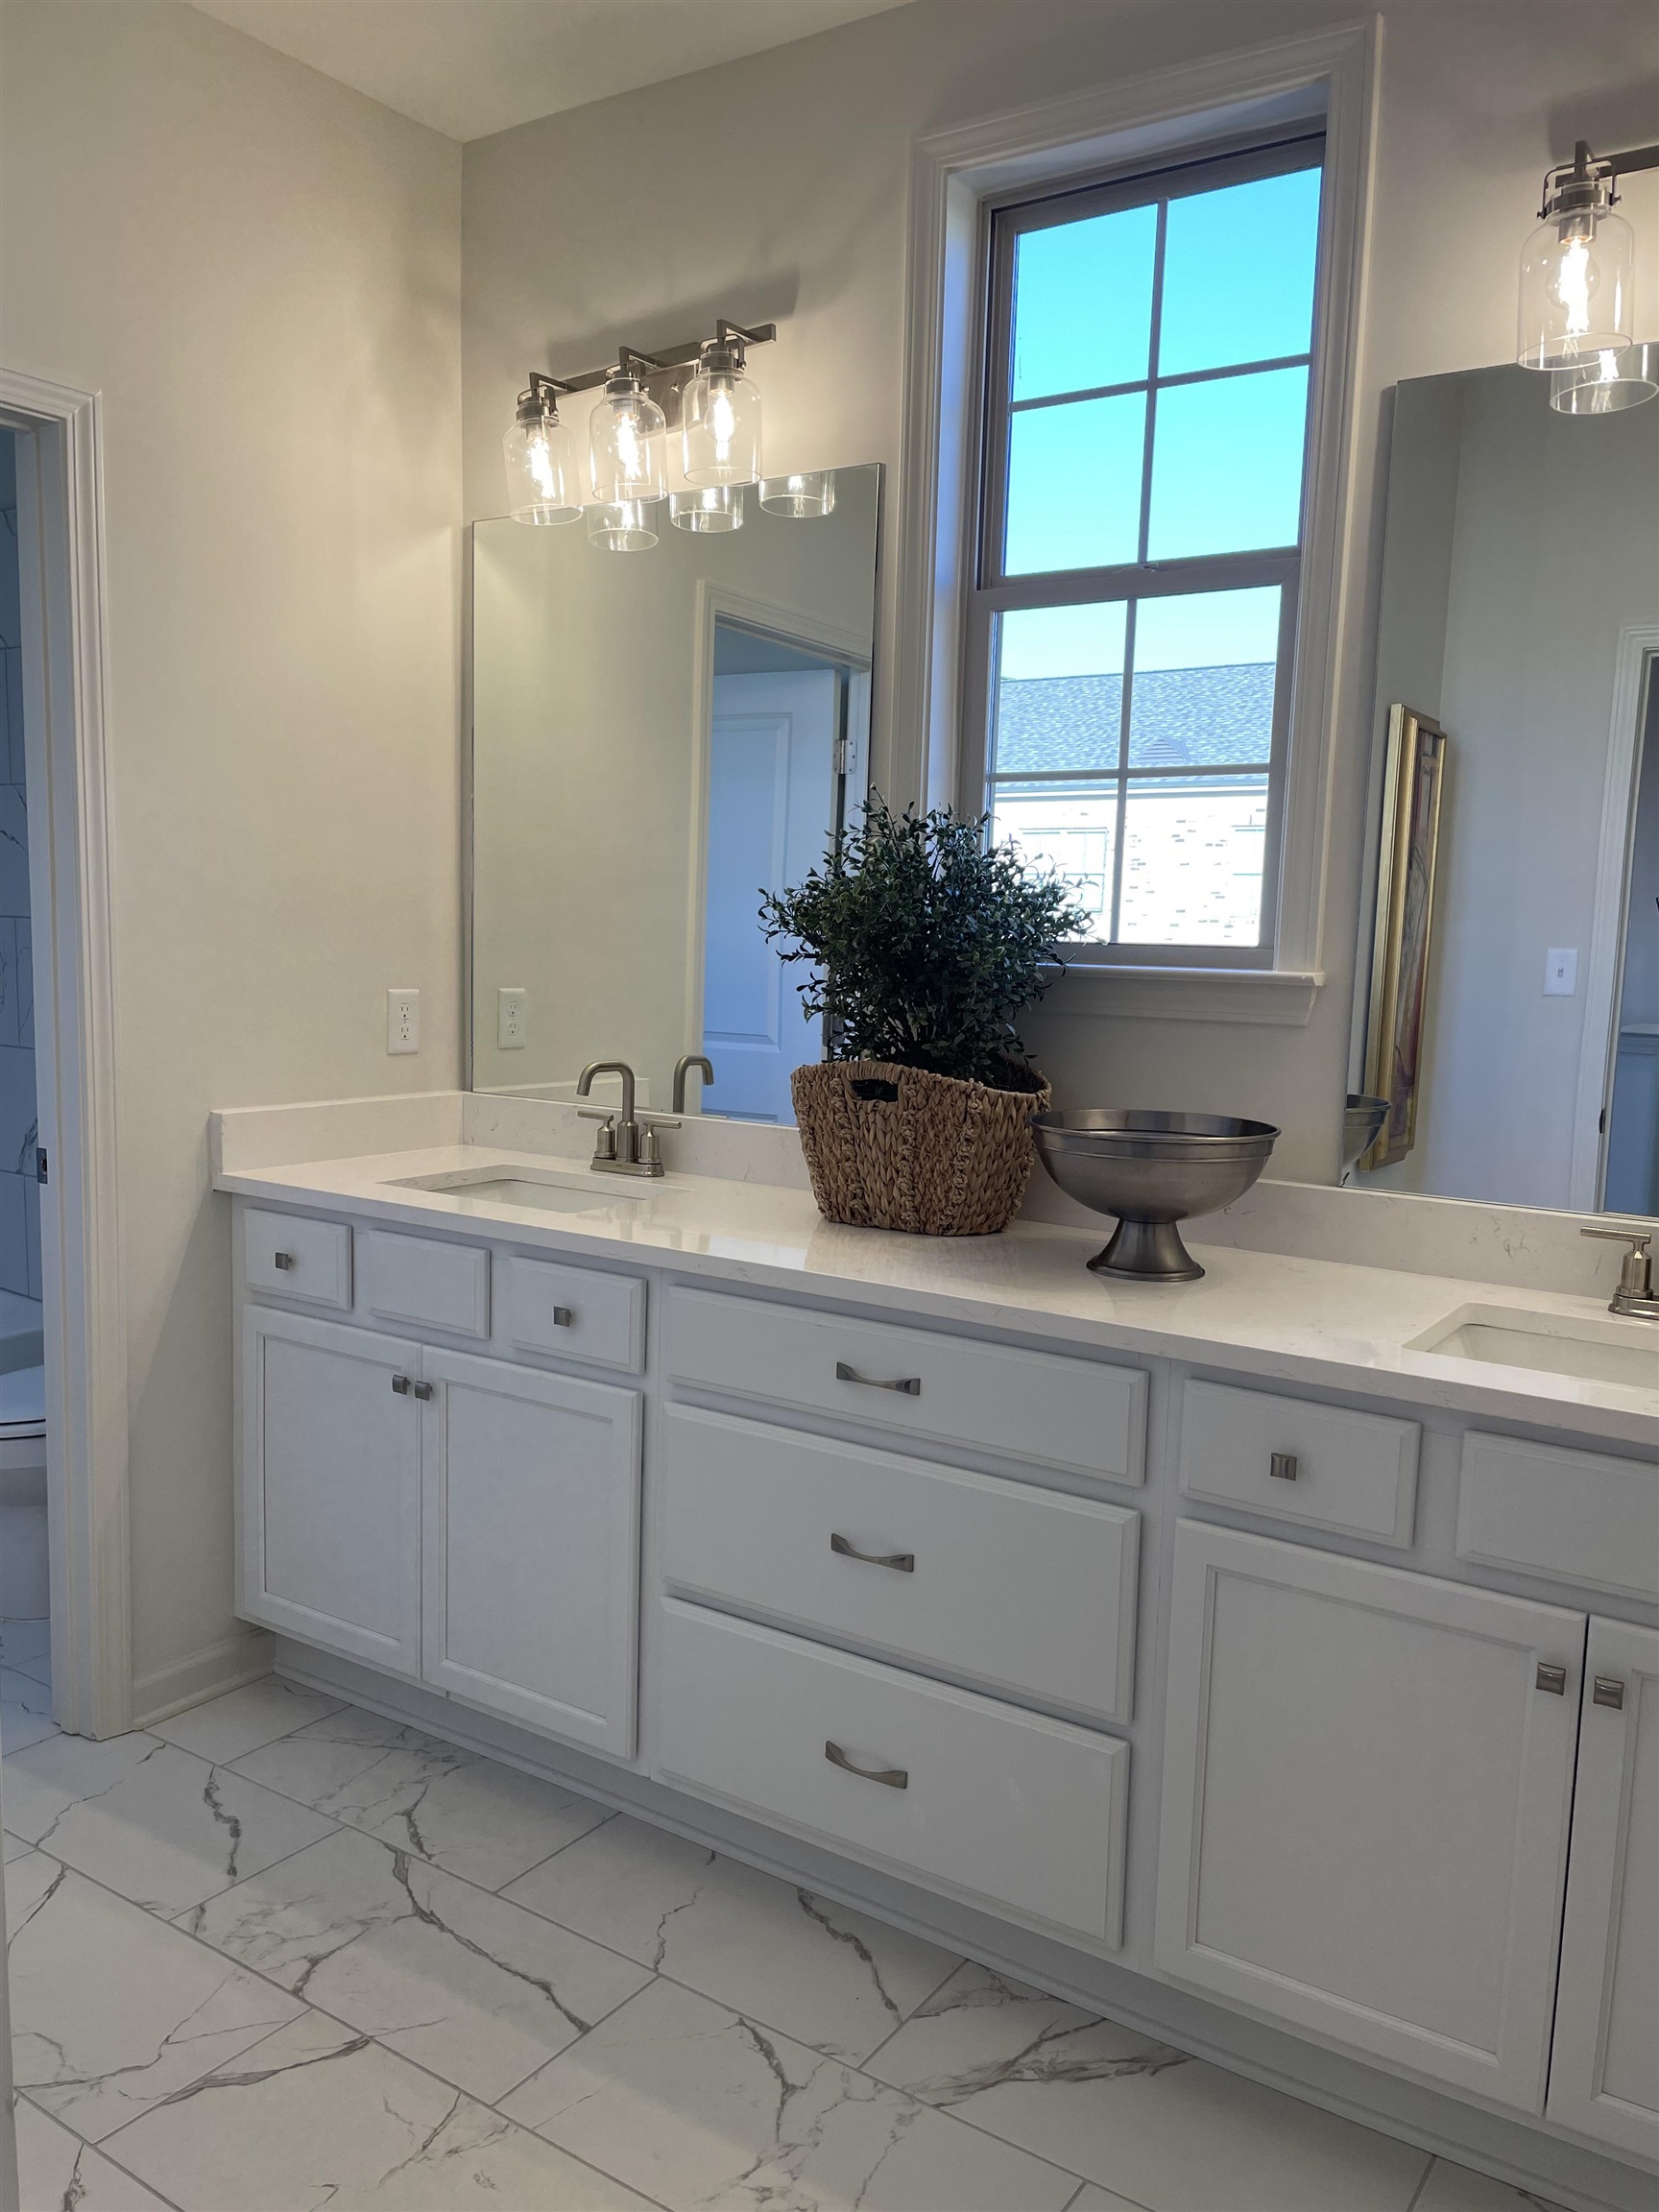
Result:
[[626, 435], [1608, 383], [541, 484], [622, 526], [1577, 289], [802, 498], [717, 508], [720, 428]]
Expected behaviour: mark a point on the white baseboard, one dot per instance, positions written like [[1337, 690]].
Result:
[[1494, 2143], [205, 1674]]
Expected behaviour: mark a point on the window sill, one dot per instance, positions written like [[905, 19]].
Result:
[[1281, 996]]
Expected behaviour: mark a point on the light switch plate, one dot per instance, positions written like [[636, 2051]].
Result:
[[1560, 972], [510, 1018], [402, 1021]]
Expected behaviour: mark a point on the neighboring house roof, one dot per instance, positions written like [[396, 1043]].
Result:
[[1183, 717]]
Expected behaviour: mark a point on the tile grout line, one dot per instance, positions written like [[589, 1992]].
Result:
[[1421, 2184], [949, 1976], [97, 2149]]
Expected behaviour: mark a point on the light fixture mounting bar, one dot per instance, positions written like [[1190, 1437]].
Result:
[[1587, 168], [663, 361]]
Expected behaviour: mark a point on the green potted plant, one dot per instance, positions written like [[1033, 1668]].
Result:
[[924, 941]]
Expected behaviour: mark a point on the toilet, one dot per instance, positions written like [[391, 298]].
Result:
[[25, 1569]]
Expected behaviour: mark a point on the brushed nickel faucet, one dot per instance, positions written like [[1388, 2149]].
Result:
[[682, 1067], [1635, 1294], [625, 1146]]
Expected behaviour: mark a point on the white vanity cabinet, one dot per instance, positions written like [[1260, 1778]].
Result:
[[329, 1486], [1367, 1781], [1605, 2071], [531, 1545]]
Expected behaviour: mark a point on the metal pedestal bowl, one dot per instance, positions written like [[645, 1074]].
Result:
[[1152, 1170], [1363, 1120]]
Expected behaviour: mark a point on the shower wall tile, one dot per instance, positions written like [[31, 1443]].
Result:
[[11, 1012], [13, 850], [12, 756], [17, 1126], [32, 1233]]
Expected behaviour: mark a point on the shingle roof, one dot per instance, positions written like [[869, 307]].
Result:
[[1183, 717]]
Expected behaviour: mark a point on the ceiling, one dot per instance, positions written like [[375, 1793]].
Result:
[[469, 67]]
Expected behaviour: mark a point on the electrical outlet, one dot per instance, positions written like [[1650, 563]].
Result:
[[402, 1021], [1560, 972], [510, 1021]]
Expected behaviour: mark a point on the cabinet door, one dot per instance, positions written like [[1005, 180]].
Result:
[[1605, 2075], [330, 1487], [1365, 1802], [532, 1546]]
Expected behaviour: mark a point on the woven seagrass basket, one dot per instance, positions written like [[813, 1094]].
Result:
[[890, 1148]]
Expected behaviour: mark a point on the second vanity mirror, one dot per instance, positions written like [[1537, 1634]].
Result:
[[1510, 947], [658, 737]]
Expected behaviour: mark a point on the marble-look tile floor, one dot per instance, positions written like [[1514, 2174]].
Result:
[[279, 1954], [25, 1683]]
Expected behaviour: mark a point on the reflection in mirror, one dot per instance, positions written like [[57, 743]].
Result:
[[657, 738], [1514, 959]]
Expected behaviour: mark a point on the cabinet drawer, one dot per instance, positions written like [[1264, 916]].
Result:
[[1001, 1804], [1324, 1465], [289, 1257], [1057, 1412], [540, 1306], [1575, 1516], [1026, 1592], [421, 1280]]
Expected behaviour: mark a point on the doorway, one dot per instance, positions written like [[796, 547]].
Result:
[[54, 767], [788, 734], [1630, 1174]]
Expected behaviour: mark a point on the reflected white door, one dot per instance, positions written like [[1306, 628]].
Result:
[[771, 808]]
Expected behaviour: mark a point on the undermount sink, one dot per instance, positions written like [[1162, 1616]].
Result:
[[543, 1192], [1610, 1351]]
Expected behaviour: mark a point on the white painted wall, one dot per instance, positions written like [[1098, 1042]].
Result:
[[592, 225], [259, 272], [1496, 491]]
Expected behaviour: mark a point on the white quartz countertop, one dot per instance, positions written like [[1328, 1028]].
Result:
[[1265, 1314]]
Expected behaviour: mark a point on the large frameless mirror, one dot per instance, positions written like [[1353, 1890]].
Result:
[[1509, 953], [659, 737]]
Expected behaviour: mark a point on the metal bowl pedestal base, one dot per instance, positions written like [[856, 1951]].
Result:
[[1147, 1252]]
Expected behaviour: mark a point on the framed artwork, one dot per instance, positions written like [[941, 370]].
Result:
[[1413, 784]]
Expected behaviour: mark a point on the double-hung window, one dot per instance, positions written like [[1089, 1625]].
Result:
[[1133, 621]]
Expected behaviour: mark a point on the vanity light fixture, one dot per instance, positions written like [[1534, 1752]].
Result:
[[542, 480], [1577, 268], [622, 525], [1607, 383], [803, 497], [715, 507], [720, 417], [627, 432]]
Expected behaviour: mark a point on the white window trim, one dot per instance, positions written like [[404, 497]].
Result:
[[1330, 77]]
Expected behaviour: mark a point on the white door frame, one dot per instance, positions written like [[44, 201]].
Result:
[[1604, 969], [61, 533]]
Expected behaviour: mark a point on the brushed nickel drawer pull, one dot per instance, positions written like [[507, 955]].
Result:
[[1552, 1678], [1282, 1466], [1608, 1690], [907, 1385], [900, 1562], [889, 1777], [422, 1390], [401, 1386], [564, 1318], [285, 1260]]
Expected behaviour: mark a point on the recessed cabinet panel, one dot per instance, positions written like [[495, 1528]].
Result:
[[423, 1282], [1575, 1516], [286, 1256], [1366, 1789], [532, 1520], [1605, 2074], [1031, 1406], [1007, 1805], [1029, 1593], [577, 1312], [330, 1487], [1326, 1466]]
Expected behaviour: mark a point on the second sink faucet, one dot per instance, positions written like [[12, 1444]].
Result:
[[625, 1146]]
